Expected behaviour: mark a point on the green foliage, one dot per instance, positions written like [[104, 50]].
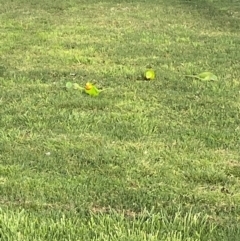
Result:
[[145, 161]]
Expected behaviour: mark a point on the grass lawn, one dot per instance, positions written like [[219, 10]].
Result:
[[145, 160]]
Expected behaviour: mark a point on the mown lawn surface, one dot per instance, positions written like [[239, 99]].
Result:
[[145, 160]]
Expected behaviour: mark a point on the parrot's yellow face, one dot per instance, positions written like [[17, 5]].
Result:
[[88, 86]]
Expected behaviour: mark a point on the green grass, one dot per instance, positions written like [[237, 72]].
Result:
[[146, 160]]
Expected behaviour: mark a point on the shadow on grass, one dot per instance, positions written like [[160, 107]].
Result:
[[222, 14]]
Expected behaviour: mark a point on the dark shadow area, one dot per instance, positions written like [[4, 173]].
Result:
[[224, 15]]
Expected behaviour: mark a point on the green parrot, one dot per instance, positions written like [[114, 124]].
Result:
[[91, 89], [205, 76], [149, 74]]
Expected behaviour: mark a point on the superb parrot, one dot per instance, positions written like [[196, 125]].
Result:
[[149, 74], [91, 89], [205, 76]]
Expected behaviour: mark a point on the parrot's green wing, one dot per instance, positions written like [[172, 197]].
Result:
[[75, 86]]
